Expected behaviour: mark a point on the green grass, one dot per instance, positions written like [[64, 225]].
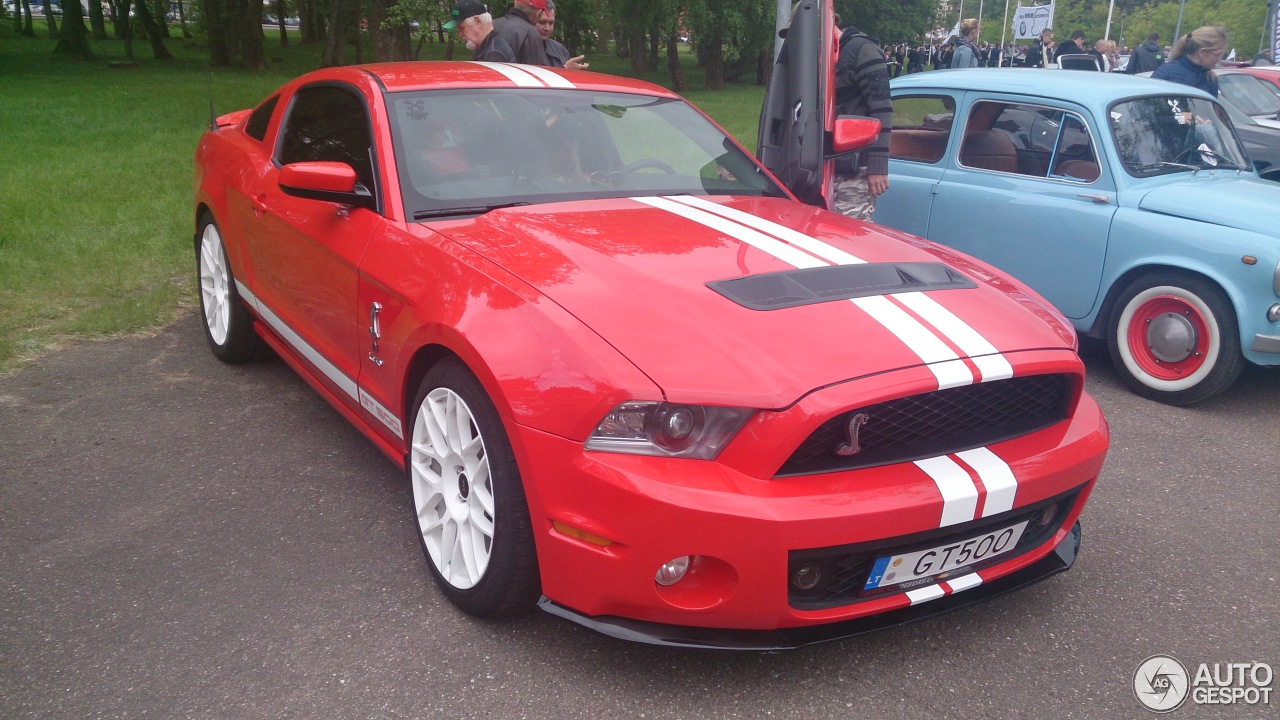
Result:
[[95, 180]]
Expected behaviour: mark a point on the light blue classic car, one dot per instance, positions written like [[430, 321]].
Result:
[[1128, 203]]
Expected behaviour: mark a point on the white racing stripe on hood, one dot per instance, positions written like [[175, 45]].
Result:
[[997, 477], [806, 252], [528, 75], [959, 494], [514, 73], [990, 363]]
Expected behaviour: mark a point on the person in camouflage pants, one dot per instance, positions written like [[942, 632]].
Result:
[[862, 88]]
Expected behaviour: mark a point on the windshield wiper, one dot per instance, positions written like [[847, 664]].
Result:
[[471, 210], [1166, 163]]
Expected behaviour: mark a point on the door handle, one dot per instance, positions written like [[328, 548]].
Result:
[[259, 204], [1099, 199]]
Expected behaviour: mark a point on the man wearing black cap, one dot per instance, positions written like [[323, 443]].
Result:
[[517, 28], [475, 26]]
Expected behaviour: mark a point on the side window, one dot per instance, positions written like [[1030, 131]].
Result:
[[921, 127], [1029, 140], [256, 127], [329, 123]]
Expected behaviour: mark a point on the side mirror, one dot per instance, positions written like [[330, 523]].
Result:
[[327, 181], [853, 132]]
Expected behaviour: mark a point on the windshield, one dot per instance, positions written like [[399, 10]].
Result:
[[1174, 133], [1251, 94], [470, 150]]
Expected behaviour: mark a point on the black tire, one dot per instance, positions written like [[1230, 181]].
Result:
[[460, 516], [1174, 338], [227, 324]]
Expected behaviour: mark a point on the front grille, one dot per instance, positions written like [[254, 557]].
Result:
[[934, 423], [844, 569]]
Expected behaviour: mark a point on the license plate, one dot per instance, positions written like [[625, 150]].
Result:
[[912, 566]]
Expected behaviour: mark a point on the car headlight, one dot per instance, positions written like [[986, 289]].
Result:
[[640, 427]]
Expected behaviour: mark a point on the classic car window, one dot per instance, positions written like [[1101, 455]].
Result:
[[1031, 140], [482, 148], [256, 127], [1174, 133], [921, 127], [328, 123]]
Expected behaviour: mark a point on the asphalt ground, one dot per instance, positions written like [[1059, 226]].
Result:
[[186, 539]]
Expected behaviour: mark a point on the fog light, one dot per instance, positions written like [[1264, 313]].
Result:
[[1273, 313], [672, 571], [807, 577], [1046, 517]]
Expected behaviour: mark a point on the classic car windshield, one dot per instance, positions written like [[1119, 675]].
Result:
[[468, 150], [1174, 133]]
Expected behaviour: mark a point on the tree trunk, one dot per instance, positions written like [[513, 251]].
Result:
[[152, 29], [636, 46], [126, 29], [764, 67], [284, 29], [655, 41], [253, 53], [714, 47], [182, 18], [26, 19], [673, 58], [113, 13], [53, 23], [334, 49], [215, 19], [97, 24], [160, 13], [74, 38]]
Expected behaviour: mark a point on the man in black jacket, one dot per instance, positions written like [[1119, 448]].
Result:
[[1040, 53], [517, 28], [1146, 57], [862, 88], [475, 25]]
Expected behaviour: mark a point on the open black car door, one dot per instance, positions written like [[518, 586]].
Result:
[[798, 110], [800, 134]]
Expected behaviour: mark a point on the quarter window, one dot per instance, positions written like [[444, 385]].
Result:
[[329, 123], [256, 127], [921, 128], [1029, 140]]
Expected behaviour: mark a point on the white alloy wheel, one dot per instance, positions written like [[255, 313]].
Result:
[[452, 488], [214, 280]]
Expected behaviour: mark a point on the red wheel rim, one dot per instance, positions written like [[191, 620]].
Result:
[[1151, 311]]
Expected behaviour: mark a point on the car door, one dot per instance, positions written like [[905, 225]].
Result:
[[305, 253], [922, 122], [1025, 190], [797, 113]]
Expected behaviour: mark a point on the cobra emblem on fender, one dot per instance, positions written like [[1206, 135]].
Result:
[[855, 426]]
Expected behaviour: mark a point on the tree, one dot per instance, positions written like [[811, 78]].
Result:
[[48, 16], [74, 38]]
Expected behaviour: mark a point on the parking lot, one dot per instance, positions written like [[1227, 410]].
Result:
[[183, 538]]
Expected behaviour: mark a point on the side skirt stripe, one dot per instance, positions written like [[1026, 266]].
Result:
[[326, 368]]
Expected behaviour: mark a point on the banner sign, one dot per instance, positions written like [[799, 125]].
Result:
[[1029, 21]]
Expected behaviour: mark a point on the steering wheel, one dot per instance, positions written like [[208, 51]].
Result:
[[647, 163]]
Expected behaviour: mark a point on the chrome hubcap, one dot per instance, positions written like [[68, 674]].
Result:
[[1171, 337]]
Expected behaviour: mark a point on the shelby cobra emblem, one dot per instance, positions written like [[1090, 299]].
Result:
[[855, 425]]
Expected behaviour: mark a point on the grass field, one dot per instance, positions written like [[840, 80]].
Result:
[[95, 180]]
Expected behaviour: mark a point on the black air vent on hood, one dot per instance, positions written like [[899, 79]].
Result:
[[792, 288]]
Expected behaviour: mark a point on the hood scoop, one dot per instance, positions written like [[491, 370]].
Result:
[[809, 286]]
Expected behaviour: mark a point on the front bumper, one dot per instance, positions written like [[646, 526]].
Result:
[[1060, 560]]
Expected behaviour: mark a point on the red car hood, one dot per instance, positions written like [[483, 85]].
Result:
[[637, 271]]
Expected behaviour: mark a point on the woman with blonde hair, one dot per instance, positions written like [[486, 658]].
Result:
[[966, 55], [1193, 58]]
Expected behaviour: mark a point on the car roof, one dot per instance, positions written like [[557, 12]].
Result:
[[434, 75], [1092, 89]]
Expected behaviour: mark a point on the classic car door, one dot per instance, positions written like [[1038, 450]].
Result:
[[1025, 190], [797, 112], [304, 252], [922, 122]]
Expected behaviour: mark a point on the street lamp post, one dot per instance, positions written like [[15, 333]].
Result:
[[1177, 31]]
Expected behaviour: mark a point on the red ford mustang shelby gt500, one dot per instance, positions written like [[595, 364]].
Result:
[[630, 378]]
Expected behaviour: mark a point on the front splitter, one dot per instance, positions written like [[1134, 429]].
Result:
[[1060, 560]]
